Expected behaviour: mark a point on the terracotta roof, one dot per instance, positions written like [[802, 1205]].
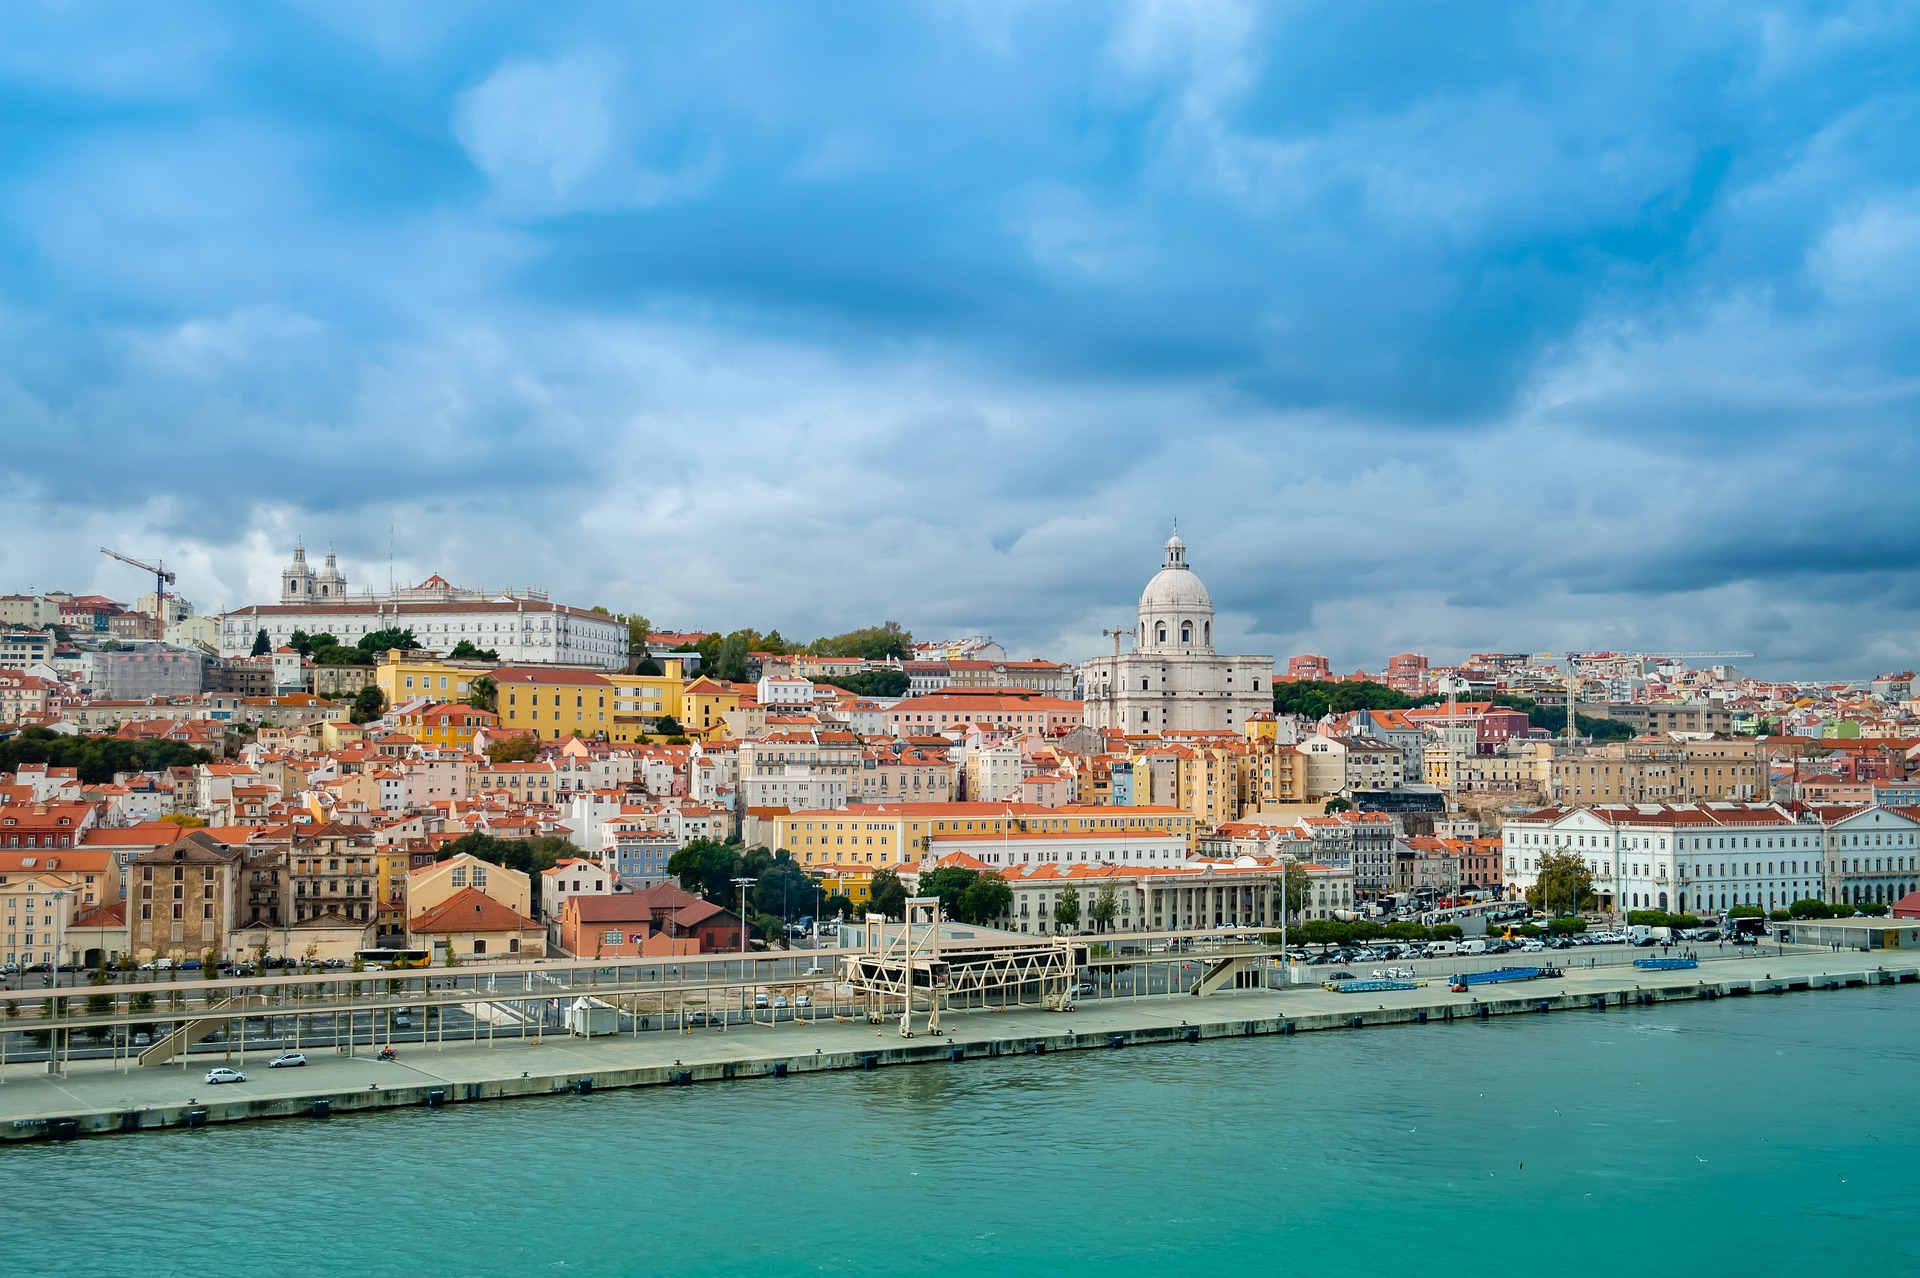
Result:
[[471, 910]]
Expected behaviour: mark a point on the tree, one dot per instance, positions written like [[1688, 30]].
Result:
[[486, 694], [301, 642], [1809, 908], [839, 905], [872, 683], [1299, 886], [947, 883], [707, 868], [1841, 910], [1873, 909], [519, 748], [465, 651], [783, 889], [730, 662], [261, 644], [1447, 932], [887, 641], [1746, 912], [669, 726], [1563, 885], [888, 896], [96, 759], [1323, 932], [1337, 804], [1066, 909], [390, 637], [1106, 904], [368, 704], [985, 899]]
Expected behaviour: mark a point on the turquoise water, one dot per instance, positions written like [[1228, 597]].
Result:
[[1706, 1138]]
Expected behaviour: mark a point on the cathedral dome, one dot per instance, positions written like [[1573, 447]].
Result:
[[1175, 588]]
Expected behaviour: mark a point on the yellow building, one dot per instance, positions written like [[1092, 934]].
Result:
[[406, 679], [554, 703], [855, 882], [884, 834], [450, 726], [641, 701], [706, 704]]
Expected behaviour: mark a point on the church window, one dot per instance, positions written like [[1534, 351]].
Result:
[[1186, 632], [1160, 632]]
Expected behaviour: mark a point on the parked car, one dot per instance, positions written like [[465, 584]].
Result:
[[803, 1001], [221, 1074], [760, 1001], [1340, 976], [402, 1020], [191, 965], [141, 1040], [287, 1060]]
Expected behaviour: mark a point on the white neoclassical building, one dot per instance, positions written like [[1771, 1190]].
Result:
[[1173, 681]]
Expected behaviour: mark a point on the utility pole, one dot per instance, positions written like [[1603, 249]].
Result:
[[743, 884]]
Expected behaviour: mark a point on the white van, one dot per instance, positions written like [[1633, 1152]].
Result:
[[1478, 945], [1442, 949]]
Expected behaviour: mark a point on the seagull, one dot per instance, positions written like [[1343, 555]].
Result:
[[1698, 1159]]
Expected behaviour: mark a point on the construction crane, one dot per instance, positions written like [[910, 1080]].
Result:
[[1573, 660], [161, 580], [1116, 638]]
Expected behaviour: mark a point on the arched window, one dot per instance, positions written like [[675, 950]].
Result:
[[1208, 633], [1159, 632], [1186, 632]]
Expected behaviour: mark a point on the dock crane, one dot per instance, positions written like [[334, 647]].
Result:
[[161, 580], [1573, 660]]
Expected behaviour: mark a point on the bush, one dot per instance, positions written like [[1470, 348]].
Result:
[[1841, 911], [1781, 916], [1808, 908], [1563, 927], [1873, 910], [1746, 912]]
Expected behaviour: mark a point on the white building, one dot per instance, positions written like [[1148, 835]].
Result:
[[1173, 680], [575, 876], [1057, 847], [1685, 858], [522, 626]]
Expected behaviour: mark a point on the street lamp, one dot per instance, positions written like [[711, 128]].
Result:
[[743, 883]]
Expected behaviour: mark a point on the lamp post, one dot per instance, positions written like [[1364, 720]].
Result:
[[743, 883]]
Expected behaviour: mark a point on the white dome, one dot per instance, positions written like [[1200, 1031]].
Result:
[[1174, 588]]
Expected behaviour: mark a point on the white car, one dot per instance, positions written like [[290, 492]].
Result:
[[222, 1074], [287, 1059]]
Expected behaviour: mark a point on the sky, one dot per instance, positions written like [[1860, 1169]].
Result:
[[1440, 328]]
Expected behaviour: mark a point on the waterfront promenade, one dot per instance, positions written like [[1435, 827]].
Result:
[[95, 1097]]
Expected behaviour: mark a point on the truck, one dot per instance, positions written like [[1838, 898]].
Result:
[[1442, 949], [1639, 934]]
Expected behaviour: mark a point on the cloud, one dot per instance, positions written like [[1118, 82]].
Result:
[[1469, 330]]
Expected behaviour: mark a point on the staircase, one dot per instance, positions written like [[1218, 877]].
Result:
[[1221, 973], [192, 1031]]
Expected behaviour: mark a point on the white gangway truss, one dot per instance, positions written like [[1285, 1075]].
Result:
[[924, 962]]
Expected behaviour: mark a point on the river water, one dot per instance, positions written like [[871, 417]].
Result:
[[1701, 1138]]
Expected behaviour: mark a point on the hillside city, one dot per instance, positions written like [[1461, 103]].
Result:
[[463, 774]]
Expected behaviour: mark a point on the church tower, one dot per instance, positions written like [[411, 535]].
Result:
[[296, 580], [333, 583]]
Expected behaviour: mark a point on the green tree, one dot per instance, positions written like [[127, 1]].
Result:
[[1323, 932], [839, 905], [519, 748], [465, 651], [1746, 912], [390, 637], [1563, 885], [948, 882], [1298, 887], [1106, 903], [888, 896], [261, 644], [730, 661], [1808, 908], [1066, 909], [1337, 804], [707, 869], [872, 683], [783, 888], [368, 704], [486, 694], [1447, 932], [301, 642], [985, 899], [96, 759], [669, 726], [872, 643], [1841, 910], [1873, 909]]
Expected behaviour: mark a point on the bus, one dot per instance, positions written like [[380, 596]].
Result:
[[393, 958]]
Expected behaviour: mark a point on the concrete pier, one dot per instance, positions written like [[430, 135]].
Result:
[[95, 1098]]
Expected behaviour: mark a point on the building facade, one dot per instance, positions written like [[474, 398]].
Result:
[[1173, 680]]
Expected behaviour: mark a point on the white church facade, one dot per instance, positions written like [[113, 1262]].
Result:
[[521, 625], [1173, 681]]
